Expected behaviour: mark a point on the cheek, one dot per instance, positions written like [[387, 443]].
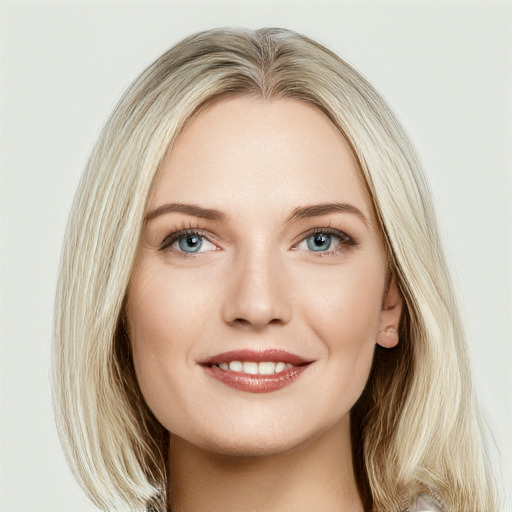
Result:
[[344, 306], [345, 316], [165, 320], [165, 309]]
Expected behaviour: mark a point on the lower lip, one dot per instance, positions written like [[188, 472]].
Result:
[[255, 383]]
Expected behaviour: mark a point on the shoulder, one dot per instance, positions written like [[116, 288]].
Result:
[[424, 503]]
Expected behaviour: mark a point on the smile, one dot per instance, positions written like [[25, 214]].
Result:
[[256, 372], [253, 368]]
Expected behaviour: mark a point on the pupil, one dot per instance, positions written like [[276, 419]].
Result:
[[320, 242], [191, 243]]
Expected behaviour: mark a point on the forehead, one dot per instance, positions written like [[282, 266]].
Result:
[[243, 151]]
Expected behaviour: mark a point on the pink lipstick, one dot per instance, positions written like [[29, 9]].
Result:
[[256, 371]]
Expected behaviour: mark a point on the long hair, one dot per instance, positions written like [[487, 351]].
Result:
[[415, 428]]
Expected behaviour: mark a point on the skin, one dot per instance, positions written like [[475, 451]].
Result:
[[256, 283]]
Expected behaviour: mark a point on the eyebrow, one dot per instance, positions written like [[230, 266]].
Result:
[[318, 210], [189, 209], [304, 212]]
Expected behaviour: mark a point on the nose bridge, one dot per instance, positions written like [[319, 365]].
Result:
[[257, 292]]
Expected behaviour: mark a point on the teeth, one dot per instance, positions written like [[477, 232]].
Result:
[[252, 368], [266, 368], [235, 366]]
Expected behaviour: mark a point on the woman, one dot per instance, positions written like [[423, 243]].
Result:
[[254, 312]]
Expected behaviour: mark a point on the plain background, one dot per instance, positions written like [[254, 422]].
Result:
[[445, 67]]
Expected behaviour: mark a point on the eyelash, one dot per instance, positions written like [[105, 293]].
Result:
[[344, 239], [187, 230], [183, 230]]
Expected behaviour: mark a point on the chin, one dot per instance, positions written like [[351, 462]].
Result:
[[250, 448], [256, 439]]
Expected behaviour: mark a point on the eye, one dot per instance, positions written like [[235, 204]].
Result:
[[187, 242], [319, 242], [325, 241], [190, 243]]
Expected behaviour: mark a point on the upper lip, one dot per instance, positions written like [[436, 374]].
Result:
[[257, 356]]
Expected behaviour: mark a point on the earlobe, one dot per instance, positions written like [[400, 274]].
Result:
[[388, 338], [391, 311]]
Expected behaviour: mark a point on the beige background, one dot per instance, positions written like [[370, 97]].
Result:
[[444, 66]]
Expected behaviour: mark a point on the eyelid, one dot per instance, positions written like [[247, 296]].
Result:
[[345, 239], [173, 237]]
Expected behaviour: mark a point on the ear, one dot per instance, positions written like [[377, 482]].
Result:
[[390, 313]]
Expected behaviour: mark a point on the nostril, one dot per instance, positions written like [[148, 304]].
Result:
[[243, 322], [239, 321]]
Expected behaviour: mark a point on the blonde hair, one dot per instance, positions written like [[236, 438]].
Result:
[[416, 426]]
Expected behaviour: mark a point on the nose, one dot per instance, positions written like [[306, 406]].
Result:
[[257, 293]]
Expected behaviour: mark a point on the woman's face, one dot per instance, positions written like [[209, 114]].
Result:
[[260, 284]]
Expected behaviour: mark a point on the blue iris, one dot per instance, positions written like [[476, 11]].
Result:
[[190, 243], [319, 242]]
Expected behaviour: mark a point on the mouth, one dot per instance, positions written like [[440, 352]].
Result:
[[256, 371]]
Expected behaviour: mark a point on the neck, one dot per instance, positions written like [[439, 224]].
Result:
[[317, 475]]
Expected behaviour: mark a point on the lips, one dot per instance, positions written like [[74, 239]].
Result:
[[256, 371]]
